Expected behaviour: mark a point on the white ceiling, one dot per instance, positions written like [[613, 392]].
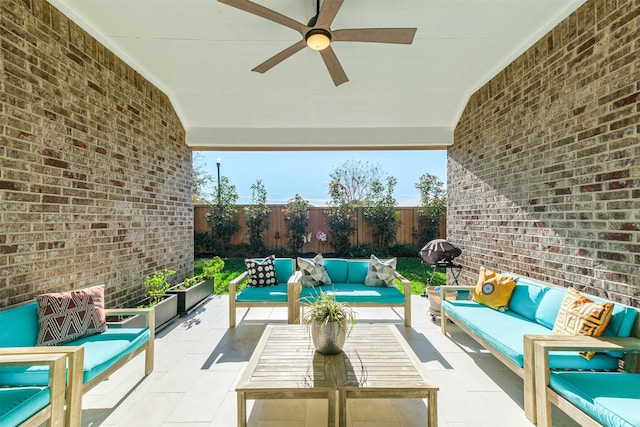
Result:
[[201, 52]]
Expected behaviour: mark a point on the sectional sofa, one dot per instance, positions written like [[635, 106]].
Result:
[[531, 313]]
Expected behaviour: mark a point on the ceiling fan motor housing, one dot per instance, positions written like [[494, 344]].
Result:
[[318, 38]]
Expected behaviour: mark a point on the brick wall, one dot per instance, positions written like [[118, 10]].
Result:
[[544, 173], [95, 177]]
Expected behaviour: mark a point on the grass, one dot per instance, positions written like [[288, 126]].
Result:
[[410, 268]]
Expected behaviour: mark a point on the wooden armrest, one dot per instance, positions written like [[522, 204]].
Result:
[[405, 282], [587, 343], [233, 284]]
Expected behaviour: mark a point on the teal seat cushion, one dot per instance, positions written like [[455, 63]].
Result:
[[357, 270], [276, 293], [338, 269], [505, 331], [611, 398], [100, 352], [355, 293], [24, 325], [18, 404]]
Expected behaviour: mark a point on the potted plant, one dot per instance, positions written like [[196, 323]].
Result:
[[196, 289], [330, 322]]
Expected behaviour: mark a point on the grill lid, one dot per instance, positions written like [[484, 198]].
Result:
[[439, 251]]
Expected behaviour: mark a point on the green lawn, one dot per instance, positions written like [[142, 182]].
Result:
[[411, 268]]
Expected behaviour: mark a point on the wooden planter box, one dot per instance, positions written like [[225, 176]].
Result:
[[166, 310], [191, 297]]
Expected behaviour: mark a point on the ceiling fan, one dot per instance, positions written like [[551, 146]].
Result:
[[318, 35]]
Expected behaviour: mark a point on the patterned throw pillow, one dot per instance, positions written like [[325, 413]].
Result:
[[381, 273], [579, 315], [261, 274], [313, 272], [67, 316], [493, 289]]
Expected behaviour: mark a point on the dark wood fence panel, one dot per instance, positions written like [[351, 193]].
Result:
[[276, 235]]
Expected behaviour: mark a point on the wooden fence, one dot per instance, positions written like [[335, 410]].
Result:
[[275, 236]]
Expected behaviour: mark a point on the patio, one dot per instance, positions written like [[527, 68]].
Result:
[[199, 360]]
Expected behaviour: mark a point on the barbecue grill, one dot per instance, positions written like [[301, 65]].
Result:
[[437, 254]]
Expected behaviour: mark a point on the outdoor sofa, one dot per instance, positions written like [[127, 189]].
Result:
[[101, 354], [531, 313], [347, 284]]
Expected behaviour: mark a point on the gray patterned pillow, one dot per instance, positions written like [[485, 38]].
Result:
[[313, 272], [381, 273], [261, 274]]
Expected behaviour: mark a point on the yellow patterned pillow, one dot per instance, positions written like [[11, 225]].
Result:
[[493, 289], [579, 315]]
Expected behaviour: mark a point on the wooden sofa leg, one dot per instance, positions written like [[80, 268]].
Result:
[[232, 311], [529, 381]]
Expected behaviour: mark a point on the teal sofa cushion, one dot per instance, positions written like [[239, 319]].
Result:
[[276, 293], [526, 297], [357, 270], [611, 398], [338, 269], [505, 331], [549, 306], [284, 267], [18, 404], [100, 352], [24, 325], [355, 293]]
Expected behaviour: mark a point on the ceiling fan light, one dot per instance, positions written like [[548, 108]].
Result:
[[318, 39]]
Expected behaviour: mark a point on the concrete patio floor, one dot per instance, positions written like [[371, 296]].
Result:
[[199, 360]]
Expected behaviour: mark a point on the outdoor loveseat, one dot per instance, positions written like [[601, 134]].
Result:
[[347, 279], [100, 354], [509, 334]]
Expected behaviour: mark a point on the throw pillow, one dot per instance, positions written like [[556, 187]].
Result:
[[313, 272], [493, 289], [579, 315], [381, 273], [261, 273], [67, 316]]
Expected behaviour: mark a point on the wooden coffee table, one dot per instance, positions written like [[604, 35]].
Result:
[[376, 363]]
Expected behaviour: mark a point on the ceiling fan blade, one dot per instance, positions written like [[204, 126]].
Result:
[[333, 65], [375, 35], [263, 12], [328, 12], [279, 57]]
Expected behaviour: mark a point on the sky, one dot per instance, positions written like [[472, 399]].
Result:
[[285, 173]]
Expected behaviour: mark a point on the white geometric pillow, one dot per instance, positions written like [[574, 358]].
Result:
[[67, 316], [381, 273], [313, 272], [261, 274]]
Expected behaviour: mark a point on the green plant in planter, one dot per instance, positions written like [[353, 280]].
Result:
[[157, 285], [212, 267]]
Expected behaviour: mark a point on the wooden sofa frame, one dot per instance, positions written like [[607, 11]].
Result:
[[545, 395], [53, 413], [75, 364]]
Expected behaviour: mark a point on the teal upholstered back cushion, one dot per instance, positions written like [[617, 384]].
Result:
[[549, 306], [24, 325], [338, 269], [526, 297], [358, 270], [284, 268]]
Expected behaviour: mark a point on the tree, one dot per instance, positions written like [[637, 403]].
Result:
[[356, 178], [380, 212], [201, 178], [433, 203], [257, 216], [296, 219], [223, 217], [340, 218]]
